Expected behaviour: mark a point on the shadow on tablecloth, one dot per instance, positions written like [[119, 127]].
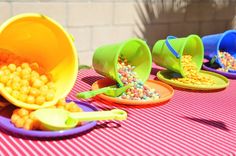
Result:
[[217, 124], [155, 70], [91, 79], [108, 124]]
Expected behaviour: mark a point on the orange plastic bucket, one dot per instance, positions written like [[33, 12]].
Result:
[[42, 40]]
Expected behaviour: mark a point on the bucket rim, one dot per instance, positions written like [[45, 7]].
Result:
[[219, 42], [123, 44]]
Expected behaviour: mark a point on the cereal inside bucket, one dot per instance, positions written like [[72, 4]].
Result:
[[228, 61], [138, 90], [24, 80]]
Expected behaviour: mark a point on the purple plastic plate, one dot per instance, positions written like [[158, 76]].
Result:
[[7, 125], [206, 66]]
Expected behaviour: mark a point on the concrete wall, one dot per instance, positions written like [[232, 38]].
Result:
[[97, 22]]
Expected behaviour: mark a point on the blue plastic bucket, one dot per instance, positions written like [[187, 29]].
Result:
[[219, 42]]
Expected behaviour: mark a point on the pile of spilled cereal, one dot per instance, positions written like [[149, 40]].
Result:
[[227, 60], [192, 76], [24, 118], [137, 91]]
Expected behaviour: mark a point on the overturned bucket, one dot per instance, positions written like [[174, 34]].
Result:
[[38, 38], [168, 53], [215, 43], [136, 51]]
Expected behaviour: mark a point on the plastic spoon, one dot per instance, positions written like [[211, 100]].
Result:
[[59, 119], [110, 91]]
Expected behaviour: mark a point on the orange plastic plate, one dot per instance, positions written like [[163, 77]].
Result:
[[166, 92]]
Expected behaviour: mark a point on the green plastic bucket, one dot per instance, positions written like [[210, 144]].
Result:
[[168, 53], [136, 51]]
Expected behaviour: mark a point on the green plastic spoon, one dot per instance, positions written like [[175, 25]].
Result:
[[110, 91], [56, 119]]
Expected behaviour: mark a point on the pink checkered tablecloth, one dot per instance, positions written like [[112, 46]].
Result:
[[192, 123]]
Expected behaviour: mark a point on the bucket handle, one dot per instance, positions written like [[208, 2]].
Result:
[[172, 50], [213, 60]]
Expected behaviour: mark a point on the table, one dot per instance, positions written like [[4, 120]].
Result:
[[192, 123]]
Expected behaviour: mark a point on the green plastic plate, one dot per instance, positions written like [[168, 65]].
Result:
[[167, 75]]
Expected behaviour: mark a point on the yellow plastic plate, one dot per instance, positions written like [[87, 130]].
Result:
[[220, 81]]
